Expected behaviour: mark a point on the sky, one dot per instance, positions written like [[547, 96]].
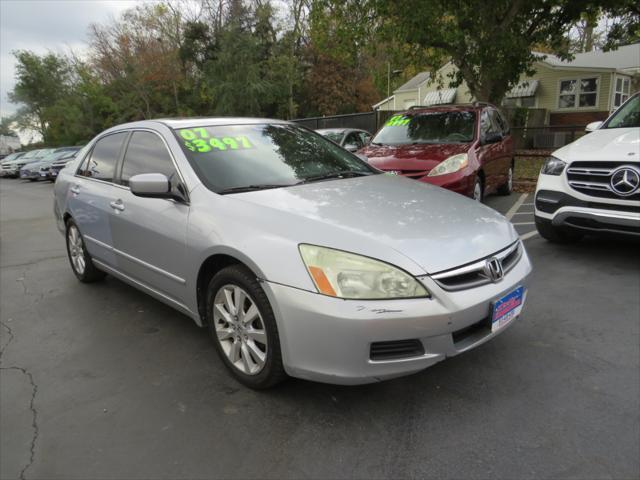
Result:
[[47, 25]]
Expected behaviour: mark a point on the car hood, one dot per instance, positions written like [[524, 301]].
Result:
[[433, 227], [411, 157], [613, 144]]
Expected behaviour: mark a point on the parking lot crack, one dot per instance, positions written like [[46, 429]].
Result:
[[11, 337], [34, 420]]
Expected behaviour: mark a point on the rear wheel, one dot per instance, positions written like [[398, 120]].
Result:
[[244, 328], [79, 258], [507, 187], [554, 234]]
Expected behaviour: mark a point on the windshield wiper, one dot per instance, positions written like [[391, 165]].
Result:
[[251, 188], [332, 175]]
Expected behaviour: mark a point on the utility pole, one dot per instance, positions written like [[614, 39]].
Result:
[[389, 72]]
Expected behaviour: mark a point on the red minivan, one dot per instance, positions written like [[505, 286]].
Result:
[[464, 148]]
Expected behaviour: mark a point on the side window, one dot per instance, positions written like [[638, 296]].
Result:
[[146, 153], [485, 123], [353, 139], [101, 163], [365, 138]]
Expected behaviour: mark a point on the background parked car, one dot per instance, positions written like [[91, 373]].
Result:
[[464, 148], [7, 162], [38, 169], [350, 138], [13, 169], [58, 164]]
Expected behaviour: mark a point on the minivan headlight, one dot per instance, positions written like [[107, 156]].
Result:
[[346, 275], [451, 165], [553, 166]]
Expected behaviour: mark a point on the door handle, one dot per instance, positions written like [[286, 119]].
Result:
[[75, 189], [117, 205]]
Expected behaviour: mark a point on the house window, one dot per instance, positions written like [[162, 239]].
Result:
[[623, 84], [578, 93]]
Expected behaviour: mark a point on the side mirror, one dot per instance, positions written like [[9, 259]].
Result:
[[592, 126], [154, 185], [492, 137], [352, 147]]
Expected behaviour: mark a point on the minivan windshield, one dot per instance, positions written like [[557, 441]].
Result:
[[428, 128], [627, 116], [234, 158]]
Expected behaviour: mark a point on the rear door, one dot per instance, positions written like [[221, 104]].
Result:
[[149, 234], [91, 192]]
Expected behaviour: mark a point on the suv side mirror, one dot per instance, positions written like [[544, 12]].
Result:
[[492, 137], [153, 185], [351, 147], [592, 126]]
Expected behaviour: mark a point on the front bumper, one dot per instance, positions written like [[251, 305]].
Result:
[[329, 340], [556, 202]]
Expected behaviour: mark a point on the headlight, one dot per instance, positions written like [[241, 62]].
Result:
[[347, 275], [553, 166], [450, 165]]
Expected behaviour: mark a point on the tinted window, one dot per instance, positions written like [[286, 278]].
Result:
[[432, 127], [353, 139], [365, 137], [102, 160], [146, 153], [246, 156]]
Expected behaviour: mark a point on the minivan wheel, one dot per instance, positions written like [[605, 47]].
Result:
[[507, 187], [478, 190], [79, 258], [554, 234], [244, 328]]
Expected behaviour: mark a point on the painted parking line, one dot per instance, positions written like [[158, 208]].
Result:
[[515, 210], [524, 223], [516, 206]]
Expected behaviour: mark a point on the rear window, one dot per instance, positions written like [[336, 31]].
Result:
[[102, 160], [428, 128]]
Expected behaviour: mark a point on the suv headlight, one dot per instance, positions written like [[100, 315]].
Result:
[[451, 165], [553, 166], [346, 275]]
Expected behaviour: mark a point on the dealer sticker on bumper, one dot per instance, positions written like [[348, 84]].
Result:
[[507, 308]]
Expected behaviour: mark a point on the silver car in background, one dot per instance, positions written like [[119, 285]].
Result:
[[299, 257]]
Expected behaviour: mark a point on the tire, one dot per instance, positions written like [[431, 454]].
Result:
[[79, 258], [507, 187], [240, 341], [556, 234], [478, 190]]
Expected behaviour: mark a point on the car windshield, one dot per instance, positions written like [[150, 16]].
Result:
[[431, 127], [628, 116], [251, 157], [333, 135]]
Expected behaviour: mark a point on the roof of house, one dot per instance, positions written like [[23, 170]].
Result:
[[413, 84], [623, 58]]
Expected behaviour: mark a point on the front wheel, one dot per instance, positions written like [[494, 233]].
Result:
[[244, 328], [554, 234], [79, 258]]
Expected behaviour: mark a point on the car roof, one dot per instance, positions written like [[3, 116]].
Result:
[[190, 122], [454, 107], [339, 130]]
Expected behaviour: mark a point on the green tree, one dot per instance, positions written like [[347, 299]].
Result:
[[489, 41]]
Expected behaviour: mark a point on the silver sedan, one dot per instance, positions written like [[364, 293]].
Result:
[[299, 257]]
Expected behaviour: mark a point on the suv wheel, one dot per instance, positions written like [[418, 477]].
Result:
[[556, 234], [79, 258], [507, 187], [244, 328]]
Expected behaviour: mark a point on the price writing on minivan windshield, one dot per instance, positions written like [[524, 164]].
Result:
[[199, 140], [397, 121]]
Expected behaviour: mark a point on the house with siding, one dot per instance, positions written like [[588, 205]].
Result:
[[574, 92]]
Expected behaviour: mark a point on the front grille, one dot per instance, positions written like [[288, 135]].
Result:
[[475, 274], [594, 179], [396, 349]]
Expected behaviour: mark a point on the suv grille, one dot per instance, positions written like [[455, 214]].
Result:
[[396, 349], [594, 179], [475, 274]]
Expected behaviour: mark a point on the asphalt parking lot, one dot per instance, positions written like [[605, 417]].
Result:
[[102, 381]]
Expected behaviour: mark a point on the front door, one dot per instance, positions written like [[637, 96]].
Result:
[[149, 234]]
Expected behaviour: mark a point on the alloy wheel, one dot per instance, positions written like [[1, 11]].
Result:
[[76, 250], [240, 329]]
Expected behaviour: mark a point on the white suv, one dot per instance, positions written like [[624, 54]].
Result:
[[593, 184]]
